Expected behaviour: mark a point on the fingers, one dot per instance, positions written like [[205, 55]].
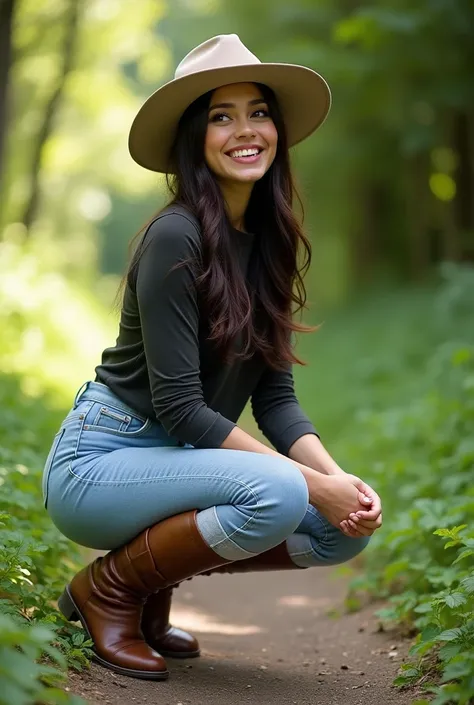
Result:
[[367, 523], [350, 528], [370, 516], [372, 512]]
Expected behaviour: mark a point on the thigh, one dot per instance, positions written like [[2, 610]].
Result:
[[111, 473], [103, 500]]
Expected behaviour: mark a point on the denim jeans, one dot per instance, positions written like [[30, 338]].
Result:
[[111, 473]]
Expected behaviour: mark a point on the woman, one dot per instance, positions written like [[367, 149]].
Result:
[[150, 462]]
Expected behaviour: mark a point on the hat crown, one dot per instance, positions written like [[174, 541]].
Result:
[[215, 53]]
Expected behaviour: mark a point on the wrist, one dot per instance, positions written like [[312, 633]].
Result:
[[309, 450], [317, 485], [330, 469]]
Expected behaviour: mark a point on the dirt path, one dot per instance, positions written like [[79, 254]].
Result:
[[267, 639]]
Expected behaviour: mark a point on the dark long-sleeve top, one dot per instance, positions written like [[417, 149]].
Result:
[[162, 364]]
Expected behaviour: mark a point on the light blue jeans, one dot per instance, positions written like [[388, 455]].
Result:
[[111, 473]]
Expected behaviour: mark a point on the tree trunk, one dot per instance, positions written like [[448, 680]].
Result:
[[464, 201], [6, 25], [67, 58], [369, 231], [419, 211]]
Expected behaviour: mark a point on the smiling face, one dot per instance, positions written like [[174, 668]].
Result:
[[241, 138]]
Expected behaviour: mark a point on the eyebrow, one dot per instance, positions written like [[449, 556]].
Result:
[[255, 101]]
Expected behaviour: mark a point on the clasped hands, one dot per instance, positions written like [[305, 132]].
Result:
[[349, 504]]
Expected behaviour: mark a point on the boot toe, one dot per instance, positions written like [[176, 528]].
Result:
[[177, 643], [137, 660]]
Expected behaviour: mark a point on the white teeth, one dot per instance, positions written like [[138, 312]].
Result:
[[244, 153]]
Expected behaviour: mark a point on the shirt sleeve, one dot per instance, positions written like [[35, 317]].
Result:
[[169, 313], [277, 411]]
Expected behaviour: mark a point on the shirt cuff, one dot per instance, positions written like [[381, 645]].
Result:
[[292, 433], [216, 434]]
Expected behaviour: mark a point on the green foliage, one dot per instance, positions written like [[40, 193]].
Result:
[[23, 679], [43, 359], [38, 304], [414, 444], [35, 559]]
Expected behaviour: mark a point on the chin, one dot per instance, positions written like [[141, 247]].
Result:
[[249, 178]]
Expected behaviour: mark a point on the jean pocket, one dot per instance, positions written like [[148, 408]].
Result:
[[49, 464], [110, 419]]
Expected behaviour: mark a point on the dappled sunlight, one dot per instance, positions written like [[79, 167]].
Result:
[[199, 621], [60, 330], [303, 601]]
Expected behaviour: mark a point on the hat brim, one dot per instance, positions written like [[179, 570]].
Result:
[[303, 96]]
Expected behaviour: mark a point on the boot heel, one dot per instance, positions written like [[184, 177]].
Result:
[[67, 607]]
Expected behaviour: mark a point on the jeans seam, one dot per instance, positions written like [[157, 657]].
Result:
[[89, 396], [173, 479], [115, 432], [111, 483], [317, 516], [303, 553], [81, 428], [228, 537], [236, 531]]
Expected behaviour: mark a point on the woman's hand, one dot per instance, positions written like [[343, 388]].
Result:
[[339, 497], [365, 521]]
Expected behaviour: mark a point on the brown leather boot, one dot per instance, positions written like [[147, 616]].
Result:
[[155, 621], [158, 632], [108, 595], [276, 558]]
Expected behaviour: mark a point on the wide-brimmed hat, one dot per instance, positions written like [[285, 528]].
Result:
[[303, 96]]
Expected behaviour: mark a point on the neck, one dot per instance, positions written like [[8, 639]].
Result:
[[237, 198]]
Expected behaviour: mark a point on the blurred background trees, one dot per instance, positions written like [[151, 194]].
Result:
[[388, 181]]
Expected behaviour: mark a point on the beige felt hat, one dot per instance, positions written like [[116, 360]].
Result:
[[303, 96]]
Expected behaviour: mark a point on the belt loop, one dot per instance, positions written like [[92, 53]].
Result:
[[80, 391]]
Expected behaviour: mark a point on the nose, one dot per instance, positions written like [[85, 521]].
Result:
[[245, 129]]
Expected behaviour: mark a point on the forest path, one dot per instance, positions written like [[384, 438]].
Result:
[[266, 639]]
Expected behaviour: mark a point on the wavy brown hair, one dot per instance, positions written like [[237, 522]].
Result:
[[260, 309]]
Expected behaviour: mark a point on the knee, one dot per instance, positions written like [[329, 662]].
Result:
[[340, 548], [283, 500]]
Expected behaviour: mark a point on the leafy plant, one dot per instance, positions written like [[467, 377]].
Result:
[[419, 454], [35, 561]]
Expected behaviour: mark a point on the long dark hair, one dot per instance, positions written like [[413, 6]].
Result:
[[261, 309]]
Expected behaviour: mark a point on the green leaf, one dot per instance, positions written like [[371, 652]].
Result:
[[450, 650], [464, 554], [455, 599], [449, 544], [457, 669], [449, 635], [468, 584], [78, 639]]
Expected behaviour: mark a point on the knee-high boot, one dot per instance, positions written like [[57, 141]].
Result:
[[276, 558], [108, 595], [180, 644]]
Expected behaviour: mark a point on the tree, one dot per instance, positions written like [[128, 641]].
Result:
[[6, 24], [67, 54]]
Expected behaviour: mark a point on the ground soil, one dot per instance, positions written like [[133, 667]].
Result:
[[267, 639]]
